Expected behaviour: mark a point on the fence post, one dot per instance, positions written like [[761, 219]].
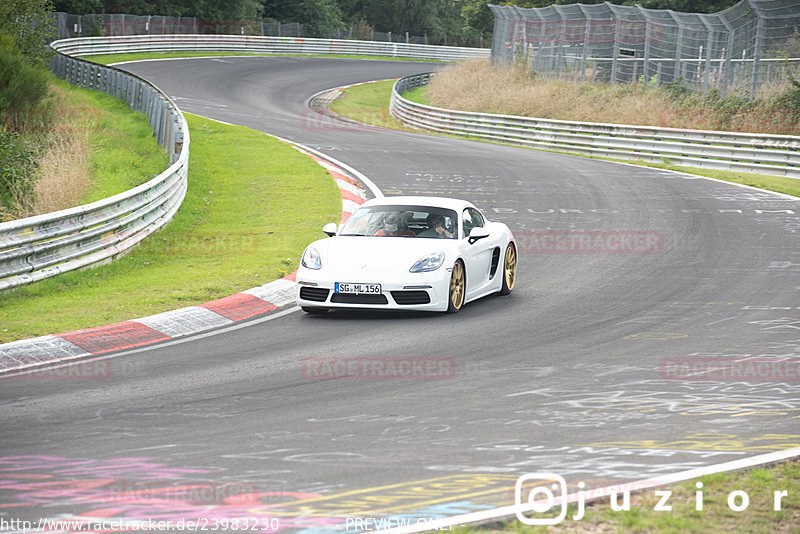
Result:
[[177, 146], [559, 42], [726, 61], [648, 37], [757, 50], [709, 50], [678, 49], [615, 60]]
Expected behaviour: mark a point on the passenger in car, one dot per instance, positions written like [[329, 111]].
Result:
[[436, 228]]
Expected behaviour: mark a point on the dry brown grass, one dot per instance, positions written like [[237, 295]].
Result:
[[63, 175], [477, 86]]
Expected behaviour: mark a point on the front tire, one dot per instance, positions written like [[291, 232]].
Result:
[[458, 288], [314, 310], [509, 270]]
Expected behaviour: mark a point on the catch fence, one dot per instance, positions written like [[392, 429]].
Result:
[[750, 44], [117, 25]]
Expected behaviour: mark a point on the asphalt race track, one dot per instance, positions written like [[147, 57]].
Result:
[[576, 373]]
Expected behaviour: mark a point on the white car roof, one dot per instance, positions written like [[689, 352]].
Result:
[[439, 202]]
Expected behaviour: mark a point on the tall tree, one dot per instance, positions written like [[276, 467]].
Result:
[[434, 18], [320, 17], [28, 22], [78, 7], [352, 10], [477, 17], [133, 7], [223, 10], [685, 6]]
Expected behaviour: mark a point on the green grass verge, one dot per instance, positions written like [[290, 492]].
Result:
[[418, 95], [368, 103], [106, 59], [252, 205], [363, 103], [715, 516], [124, 151], [780, 184]]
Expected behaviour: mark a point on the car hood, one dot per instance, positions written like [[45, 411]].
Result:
[[377, 254]]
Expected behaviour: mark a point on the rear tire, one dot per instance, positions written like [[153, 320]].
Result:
[[509, 270], [458, 288]]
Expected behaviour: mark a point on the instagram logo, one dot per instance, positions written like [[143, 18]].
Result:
[[541, 498]]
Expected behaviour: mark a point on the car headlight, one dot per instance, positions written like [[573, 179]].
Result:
[[431, 262], [311, 259]]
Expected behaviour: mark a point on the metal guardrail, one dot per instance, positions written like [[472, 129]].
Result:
[[39, 247], [263, 45], [777, 155]]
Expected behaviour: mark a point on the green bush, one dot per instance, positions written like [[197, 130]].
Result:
[[18, 162], [22, 85], [788, 48], [30, 23], [789, 99], [677, 91], [24, 122], [734, 104]]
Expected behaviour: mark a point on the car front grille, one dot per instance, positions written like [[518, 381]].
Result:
[[353, 298], [407, 298], [316, 294]]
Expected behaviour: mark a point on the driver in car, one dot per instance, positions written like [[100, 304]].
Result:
[[395, 225]]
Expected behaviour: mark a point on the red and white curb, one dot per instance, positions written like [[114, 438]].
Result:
[[29, 354]]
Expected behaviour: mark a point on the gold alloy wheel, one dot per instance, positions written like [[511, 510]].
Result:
[[510, 267], [457, 287]]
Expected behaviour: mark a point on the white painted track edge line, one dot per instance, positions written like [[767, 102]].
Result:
[[509, 512], [700, 177], [374, 189], [369, 184]]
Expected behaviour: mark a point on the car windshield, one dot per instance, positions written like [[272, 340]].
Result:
[[403, 221]]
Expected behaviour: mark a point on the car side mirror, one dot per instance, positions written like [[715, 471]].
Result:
[[330, 229], [477, 233]]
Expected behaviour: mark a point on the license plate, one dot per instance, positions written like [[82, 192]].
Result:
[[369, 289]]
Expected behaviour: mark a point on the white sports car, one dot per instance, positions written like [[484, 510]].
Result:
[[408, 253]]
